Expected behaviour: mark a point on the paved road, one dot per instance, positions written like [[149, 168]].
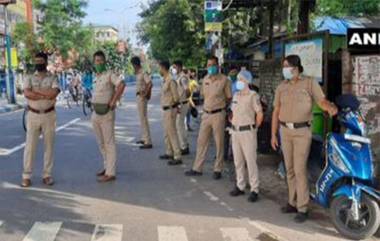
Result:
[[149, 201]]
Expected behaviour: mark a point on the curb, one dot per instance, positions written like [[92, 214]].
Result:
[[9, 108]]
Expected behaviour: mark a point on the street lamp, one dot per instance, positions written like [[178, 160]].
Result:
[[10, 77]]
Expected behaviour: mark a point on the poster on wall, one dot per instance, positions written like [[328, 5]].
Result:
[[311, 54]]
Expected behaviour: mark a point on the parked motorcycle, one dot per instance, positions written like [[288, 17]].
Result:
[[346, 184]]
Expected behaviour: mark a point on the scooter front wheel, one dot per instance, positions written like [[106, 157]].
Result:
[[369, 217]]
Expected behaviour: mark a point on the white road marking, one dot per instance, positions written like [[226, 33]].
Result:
[[211, 196], [43, 231], [108, 232], [7, 152], [172, 233], [1, 223], [235, 234], [193, 180]]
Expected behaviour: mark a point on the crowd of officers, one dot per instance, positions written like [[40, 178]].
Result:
[[292, 116]]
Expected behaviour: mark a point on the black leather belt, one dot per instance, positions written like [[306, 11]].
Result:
[[295, 125], [184, 102], [169, 107], [41, 111], [243, 128], [214, 111], [138, 93]]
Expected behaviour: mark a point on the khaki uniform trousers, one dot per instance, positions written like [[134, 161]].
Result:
[[104, 128], [244, 147], [37, 124], [211, 124], [296, 147], [181, 128], [142, 107], [170, 133]]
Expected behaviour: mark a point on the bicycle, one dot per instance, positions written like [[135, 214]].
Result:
[[86, 102]]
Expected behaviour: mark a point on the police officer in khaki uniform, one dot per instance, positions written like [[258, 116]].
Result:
[[293, 113], [170, 107], [247, 116], [216, 90], [143, 89], [41, 90], [184, 94], [108, 90]]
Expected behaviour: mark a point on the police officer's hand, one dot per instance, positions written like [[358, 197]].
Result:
[[274, 143], [179, 110], [112, 105], [333, 110]]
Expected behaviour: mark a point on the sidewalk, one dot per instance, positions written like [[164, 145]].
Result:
[[5, 107]]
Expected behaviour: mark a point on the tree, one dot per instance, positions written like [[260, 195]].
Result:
[[61, 25], [354, 8], [26, 41], [174, 30]]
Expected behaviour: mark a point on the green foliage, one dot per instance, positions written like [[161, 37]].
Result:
[[25, 40], [174, 29], [354, 8], [61, 26]]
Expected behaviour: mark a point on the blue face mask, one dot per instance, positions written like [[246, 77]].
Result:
[[240, 85], [212, 70], [287, 73]]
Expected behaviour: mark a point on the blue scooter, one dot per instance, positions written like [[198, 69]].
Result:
[[346, 185]]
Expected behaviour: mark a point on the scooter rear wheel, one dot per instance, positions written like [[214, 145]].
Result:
[[369, 217]]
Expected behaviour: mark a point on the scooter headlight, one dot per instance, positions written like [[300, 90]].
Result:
[[337, 161]]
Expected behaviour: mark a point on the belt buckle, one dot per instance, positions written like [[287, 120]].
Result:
[[290, 125]]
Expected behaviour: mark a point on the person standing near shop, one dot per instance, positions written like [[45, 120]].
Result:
[[247, 116], [293, 114], [216, 90], [170, 106], [193, 87], [143, 92], [184, 94], [41, 90], [108, 90]]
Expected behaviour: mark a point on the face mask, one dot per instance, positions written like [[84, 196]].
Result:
[[100, 68], [40, 67], [174, 71], [287, 73], [212, 70], [233, 77], [240, 85]]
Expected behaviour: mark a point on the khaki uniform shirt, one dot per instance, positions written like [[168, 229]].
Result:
[[183, 84], [34, 82], [142, 81], [216, 90], [169, 92], [244, 108], [105, 85], [295, 100]]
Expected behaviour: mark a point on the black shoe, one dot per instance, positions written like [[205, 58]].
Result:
[[288, 209], [236, 192], [217, 175], [253, 197], [165, 157], [140, 142], [146, 146], [174, 162], [301, 217], [191, 173], [185, 151]]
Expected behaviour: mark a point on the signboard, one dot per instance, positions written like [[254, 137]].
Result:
[[14, 58], [311, 54], [363, 39], [213, 16]]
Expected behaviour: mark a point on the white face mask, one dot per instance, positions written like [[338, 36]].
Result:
[[240, 85], [287, 73], [174, 71]]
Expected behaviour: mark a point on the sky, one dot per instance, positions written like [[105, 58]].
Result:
[[121, 14]]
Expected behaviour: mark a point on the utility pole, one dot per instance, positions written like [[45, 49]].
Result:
[[10, 82]]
